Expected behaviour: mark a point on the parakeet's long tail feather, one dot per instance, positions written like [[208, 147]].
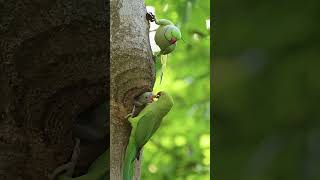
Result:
[[130, 156], [164, 59]]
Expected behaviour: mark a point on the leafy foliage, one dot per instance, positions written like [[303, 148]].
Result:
[[266, 71], [180, 148]]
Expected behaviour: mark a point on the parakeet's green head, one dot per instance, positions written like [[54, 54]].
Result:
[[146, 97], [164, 97], [172, 34], [176, 35]]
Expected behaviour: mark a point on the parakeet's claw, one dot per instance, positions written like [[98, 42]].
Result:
[[150, 17], [59, 170], [129, 115], [69, 167], [76, 151], [74, 158]]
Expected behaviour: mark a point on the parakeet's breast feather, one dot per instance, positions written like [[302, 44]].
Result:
[[145, 128]]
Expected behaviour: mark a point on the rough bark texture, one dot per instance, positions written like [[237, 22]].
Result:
[[132, 73], [52, 67]]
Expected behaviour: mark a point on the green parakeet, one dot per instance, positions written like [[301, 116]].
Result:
[[143, 127], [146, 97], [140, 102], [166, 38]]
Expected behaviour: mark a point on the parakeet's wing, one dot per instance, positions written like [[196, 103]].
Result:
[[144, 129], [163, 22], [160, 38], [168, 49]]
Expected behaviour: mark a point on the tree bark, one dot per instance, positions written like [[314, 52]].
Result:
[[52, 67], [132, 73]]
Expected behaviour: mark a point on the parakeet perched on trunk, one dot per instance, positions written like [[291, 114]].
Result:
[[143, 127], [166, 38], [140, 102]]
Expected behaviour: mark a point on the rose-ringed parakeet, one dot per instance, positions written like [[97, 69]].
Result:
[[140, 102], [143, 127], [166, 38]]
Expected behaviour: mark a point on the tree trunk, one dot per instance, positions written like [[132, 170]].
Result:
[[52, 67], [132, 73]]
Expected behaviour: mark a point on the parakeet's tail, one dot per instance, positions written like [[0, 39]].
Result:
[[130, 156], [164, 59]]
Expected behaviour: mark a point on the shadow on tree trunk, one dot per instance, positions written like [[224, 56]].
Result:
[[54, 61]]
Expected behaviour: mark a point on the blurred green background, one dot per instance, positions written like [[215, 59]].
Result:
[[266, 90], [181, 147]]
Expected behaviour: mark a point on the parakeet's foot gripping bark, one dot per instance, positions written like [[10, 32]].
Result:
[[97, 171], [150, 17], [143, 127], [68, 168]]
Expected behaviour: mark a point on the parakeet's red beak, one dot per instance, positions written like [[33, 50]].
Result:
[[173, 40], [152, 98]]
